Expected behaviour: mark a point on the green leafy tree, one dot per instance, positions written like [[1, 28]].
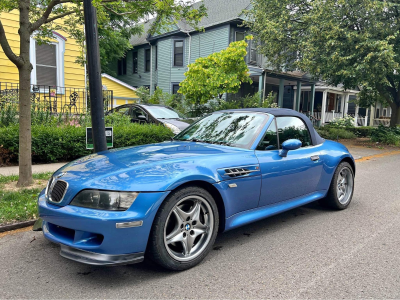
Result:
[[41, 17], [212, 76], [354, 42]]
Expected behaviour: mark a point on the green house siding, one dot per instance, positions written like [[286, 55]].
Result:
[[164, 64], [201, 44], [210, 41]]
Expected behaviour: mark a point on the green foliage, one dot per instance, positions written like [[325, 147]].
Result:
[[344, 122], [8, 114], [221, 72], [68, 142], [386, 135], [354, 42], [18, 205], [363, 132], [333, 133]]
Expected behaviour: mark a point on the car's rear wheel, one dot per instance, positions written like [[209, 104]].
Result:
[[341, 189], [184, 229]]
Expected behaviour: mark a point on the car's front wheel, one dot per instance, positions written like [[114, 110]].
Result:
[[184, 229], [341, 189]]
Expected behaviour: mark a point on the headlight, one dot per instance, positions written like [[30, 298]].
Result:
[[106, 200], [174, 129]]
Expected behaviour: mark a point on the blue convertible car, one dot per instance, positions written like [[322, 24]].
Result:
[[168, 201]]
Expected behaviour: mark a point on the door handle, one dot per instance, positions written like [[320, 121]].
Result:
[[314, 157]]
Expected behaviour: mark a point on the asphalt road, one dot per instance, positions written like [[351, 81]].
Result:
[[308, 252]]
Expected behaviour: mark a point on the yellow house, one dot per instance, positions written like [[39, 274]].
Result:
[[122, 93], [56, 79]]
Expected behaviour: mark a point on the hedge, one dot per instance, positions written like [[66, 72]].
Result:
[[65, 143]]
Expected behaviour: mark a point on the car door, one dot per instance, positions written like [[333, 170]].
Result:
[[136, 113], [298, 174]]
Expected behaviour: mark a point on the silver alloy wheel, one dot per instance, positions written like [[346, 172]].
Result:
[[188, 228], [345, 183]]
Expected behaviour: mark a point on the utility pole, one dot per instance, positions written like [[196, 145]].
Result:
[[94, 69]]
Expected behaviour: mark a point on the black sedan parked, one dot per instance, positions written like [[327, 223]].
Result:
[[152, 113]]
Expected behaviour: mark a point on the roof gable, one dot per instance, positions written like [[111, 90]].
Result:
[[218, 12]]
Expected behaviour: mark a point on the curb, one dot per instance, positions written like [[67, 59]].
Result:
[[18, 225]]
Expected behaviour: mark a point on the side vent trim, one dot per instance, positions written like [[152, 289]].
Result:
[[239, 172]]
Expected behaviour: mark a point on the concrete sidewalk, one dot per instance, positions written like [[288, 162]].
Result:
[[6, 171]]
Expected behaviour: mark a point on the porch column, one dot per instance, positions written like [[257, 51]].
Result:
[[371, 122], [346, 105], [342, 101], [281, 91], [323, 108], [366, 118], [312, 99], [298, 96], [356, 116], [260, 88]]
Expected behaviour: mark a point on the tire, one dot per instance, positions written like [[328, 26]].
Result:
[[184, 229], [341, 190]]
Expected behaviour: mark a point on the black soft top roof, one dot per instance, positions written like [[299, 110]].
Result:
[[284, 112]]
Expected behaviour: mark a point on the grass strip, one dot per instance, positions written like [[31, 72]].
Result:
[[20, 204]]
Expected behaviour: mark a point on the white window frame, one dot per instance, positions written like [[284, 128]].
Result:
[[60, 50]]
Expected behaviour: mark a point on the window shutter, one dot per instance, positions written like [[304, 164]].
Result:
[[46, 65]]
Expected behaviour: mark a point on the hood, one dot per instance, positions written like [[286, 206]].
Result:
[[147, 168], [178, 123]]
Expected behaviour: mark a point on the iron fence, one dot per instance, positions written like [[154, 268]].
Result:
[[55, 99]]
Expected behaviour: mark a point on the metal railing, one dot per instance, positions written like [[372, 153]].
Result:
[[55, 99]]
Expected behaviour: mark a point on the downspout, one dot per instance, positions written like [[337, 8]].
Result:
[[84, 56], [190, 46], [151, 68]]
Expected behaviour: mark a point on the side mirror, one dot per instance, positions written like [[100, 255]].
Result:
[[142, 117], [289, 145]]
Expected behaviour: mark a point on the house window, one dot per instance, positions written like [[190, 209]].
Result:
[[46, 65], [175, 88], [122, 66], [135, 62], [253, 51], [239, 36], [156, 64], [178, 53], [147, 60]]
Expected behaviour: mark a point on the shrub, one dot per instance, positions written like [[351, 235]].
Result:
[[386, 135], [345, 122], [332, 133], [64, 143], [364, 131]]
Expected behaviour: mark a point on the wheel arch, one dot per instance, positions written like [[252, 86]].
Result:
[[350, 162], [214, 193]]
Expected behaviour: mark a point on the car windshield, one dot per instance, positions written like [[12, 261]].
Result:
[[161, 112], [238, 129]]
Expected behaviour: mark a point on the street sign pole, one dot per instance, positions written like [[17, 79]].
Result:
[[94, 70]]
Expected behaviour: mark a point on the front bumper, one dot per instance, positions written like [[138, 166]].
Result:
[[97, 259], [91, 236]]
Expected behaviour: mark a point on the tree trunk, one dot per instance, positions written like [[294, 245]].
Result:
[[25, 153], [395, 118]]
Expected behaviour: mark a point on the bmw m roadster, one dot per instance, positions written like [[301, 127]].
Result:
[[168, 201]]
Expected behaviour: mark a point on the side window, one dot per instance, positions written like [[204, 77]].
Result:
[[293, 128], [136, 112], [270, 140], [122, 110]]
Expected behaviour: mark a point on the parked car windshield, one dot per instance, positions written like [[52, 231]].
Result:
[[161, 112], [237, 129]]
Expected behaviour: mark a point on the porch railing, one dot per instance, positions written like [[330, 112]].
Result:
[[55, 99]]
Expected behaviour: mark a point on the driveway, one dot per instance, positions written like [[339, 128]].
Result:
[[308, 252]]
